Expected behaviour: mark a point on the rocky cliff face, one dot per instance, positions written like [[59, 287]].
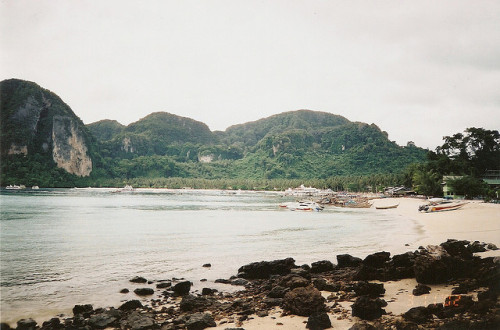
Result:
[[68, 147], [36, 121]]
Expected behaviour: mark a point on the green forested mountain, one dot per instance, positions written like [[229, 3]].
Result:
[[299, 144], [42, 140]]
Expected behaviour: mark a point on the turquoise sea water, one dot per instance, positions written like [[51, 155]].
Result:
[[63, 247]]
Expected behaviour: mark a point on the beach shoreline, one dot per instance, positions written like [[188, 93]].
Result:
[[476, 221]]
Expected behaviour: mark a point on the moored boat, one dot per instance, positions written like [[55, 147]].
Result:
[[447, 206], [387, 207]]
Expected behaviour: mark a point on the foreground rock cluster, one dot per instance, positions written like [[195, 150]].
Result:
[[283, 286]]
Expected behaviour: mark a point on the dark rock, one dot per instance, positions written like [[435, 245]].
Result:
[[207, 265], [487, 295], [318, 322], [460, 289], [367, 309], [124, 291], [53, 323], [293, 281], [163, 285], [304, 301], [223, 281], [239, 281], [322, 266], [476, 247], [26, 324], [101, 321], [322, 285], [346, 260], [138, 279], [144, 291], [421, 289], [436, 309], [277, 292], [418, 315], [262, 313], [264, 269], [305, 273], [4, 326], [369, 289], [457, 248], [492, 247], [208, 291], [199, 321], [82, 309], [362, 326], [433, 268], [190, 303], [139, 321], [271, 302], [182, 288], [130, 305], [377, 260], [403, 260]]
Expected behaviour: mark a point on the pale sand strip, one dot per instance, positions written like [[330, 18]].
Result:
[[475, 221]]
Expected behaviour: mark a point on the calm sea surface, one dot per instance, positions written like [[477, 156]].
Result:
[[64, 247]]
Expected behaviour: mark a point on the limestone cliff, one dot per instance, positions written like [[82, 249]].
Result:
[[68, 147], [36, 121]]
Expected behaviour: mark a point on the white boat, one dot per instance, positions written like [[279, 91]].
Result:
[[303, 206], [35, 188], [127, 188], [387, 207], [440, 207], [15, 187]]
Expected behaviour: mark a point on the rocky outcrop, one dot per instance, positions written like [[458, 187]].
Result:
[[69, 150]]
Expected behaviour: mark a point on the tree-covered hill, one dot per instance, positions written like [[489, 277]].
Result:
[[105, 130], [42, 140], [301, 144]]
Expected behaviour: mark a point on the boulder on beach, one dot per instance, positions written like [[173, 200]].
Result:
[[293, 281], [346, 260], [138, 279], [102, 320], [130, 305], [26, 324], [377, 259], [367, 309], [82, 309], [182, 288], [304, 301], [421, 289], [140, 321], [418, 315], [322, 266], [144, 291], [318, 322], [199, 321], [190, 303], [264, 269], [373, 290]]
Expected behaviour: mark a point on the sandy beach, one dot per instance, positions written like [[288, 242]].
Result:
[[475, 221]]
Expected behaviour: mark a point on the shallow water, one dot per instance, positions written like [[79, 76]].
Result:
[[61, 247]]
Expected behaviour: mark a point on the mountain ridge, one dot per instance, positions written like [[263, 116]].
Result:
[[293, 144]]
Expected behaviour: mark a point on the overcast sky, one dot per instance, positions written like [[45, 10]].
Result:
[[420, 70]]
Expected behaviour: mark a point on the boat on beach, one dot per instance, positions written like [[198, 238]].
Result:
[[387, 207], [303, 206], [440, 206]]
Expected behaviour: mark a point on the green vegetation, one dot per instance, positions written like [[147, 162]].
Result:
[[469, 154], [163, 149]]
